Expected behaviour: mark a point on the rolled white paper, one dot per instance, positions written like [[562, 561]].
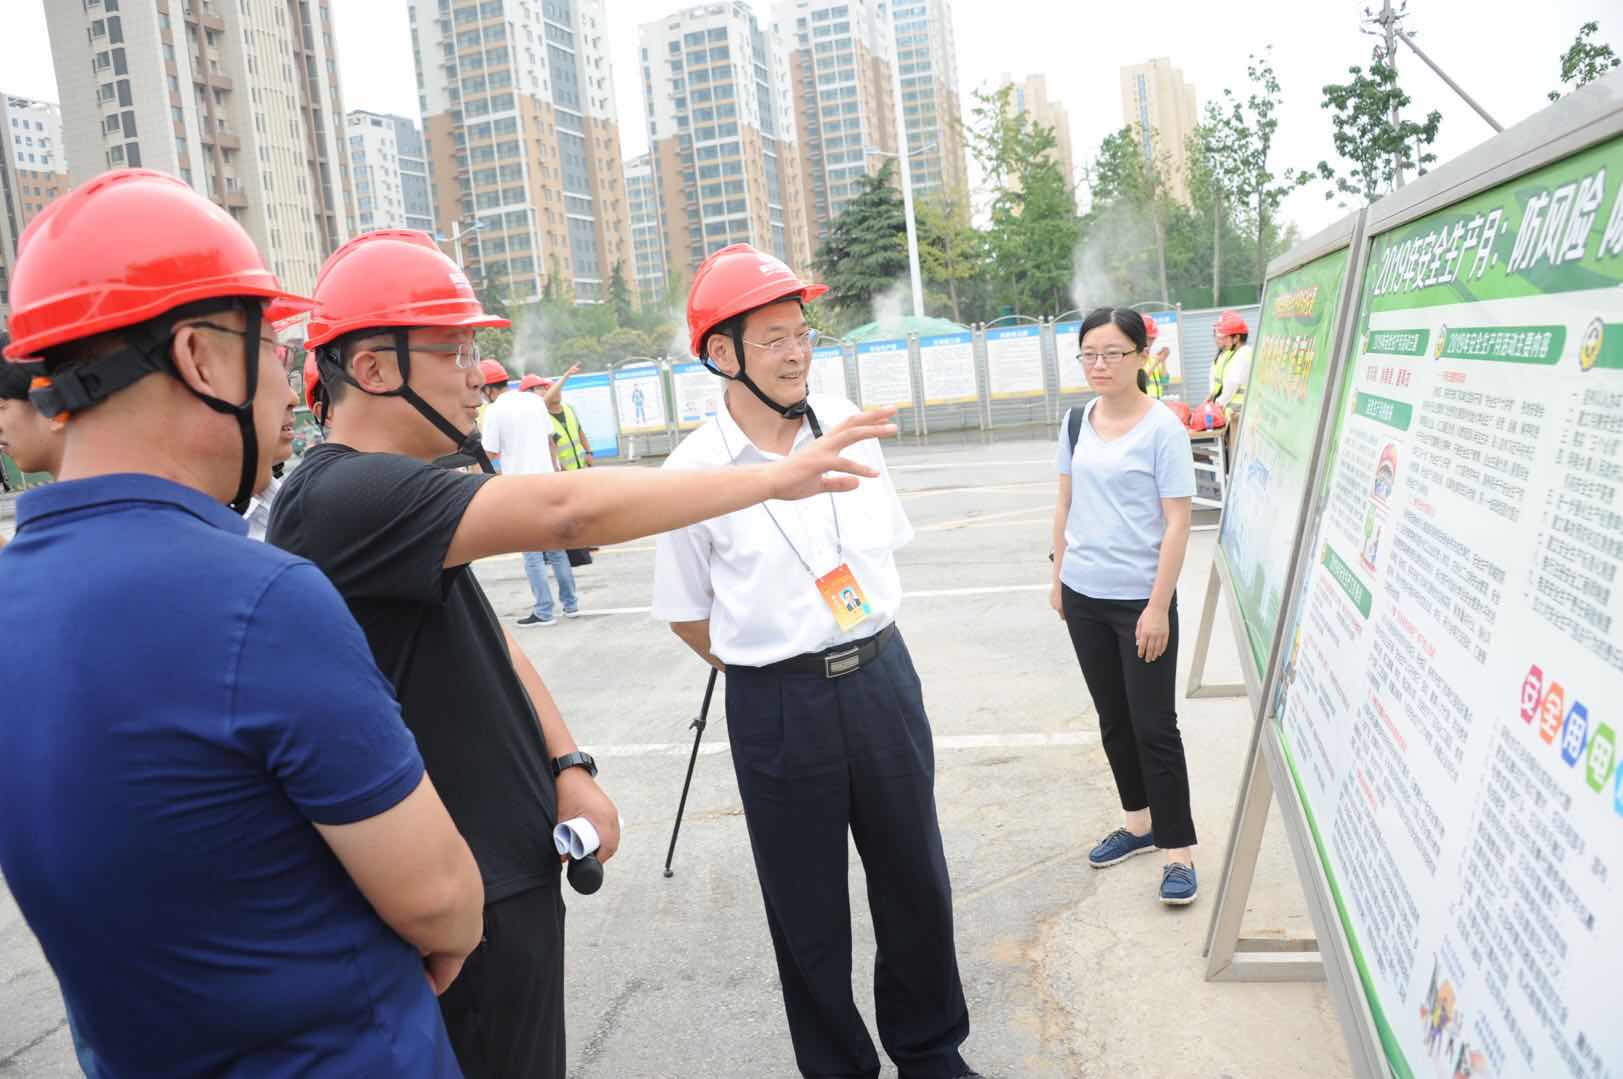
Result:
[[576, 838]]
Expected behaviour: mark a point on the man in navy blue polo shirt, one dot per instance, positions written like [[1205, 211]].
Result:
[[210, 812]]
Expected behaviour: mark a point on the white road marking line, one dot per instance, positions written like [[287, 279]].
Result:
[[932, 593], [960, 522], [715, 747], [969, 463]]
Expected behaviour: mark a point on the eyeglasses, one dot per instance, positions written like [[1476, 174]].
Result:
[[1111, 356], [283, 353], [780, 346], [466, 354]]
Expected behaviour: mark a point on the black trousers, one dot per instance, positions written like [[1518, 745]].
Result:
[[1138, 715], [816, 758], [505, 1012]]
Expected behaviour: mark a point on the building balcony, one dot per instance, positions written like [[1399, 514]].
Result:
[[236, 199]]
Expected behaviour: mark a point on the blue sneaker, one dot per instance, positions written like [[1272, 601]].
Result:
[[1119, 846], [1177, 884]]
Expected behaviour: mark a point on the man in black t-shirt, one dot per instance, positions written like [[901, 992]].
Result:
[[393, 333]]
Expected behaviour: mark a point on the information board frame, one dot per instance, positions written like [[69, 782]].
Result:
[[1584, 119]]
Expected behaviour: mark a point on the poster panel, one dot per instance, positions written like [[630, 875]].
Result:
[[1014, 362], [1071, 378], [698, 394], [1449, 708], [592, 398], [948, 365], [1270, 472], [883, 374], [640, 395], [827, 373]]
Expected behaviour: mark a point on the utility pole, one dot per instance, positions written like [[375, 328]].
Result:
[[1389, 24], [915, 278]]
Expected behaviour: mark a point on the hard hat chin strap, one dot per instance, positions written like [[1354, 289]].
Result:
[[465, 442], [788, 412], [147, 350]]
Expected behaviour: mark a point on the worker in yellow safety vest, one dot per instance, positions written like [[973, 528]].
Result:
[[574, 451], [1156, 378], [1231, 370]]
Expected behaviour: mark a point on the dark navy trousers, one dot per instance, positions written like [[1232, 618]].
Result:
[[817, 758]]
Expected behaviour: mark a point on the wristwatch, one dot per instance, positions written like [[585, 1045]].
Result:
[[576, 759]]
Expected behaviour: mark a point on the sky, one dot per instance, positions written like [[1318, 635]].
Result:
[[1508, 62]]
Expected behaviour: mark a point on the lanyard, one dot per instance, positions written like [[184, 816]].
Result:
[[839, 543]]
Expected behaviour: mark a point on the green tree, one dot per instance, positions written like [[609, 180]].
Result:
[[495, 343], [866, 249], [1032, 237], [1370, 134], [620, 295], [951, 251], [622, 342], [1242, 147], [1585, 61], [1122, 256]]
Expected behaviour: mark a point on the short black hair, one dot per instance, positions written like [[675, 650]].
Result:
[[1125, 319]]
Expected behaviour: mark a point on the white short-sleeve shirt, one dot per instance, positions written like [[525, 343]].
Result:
[[518, 426], [744, 571]]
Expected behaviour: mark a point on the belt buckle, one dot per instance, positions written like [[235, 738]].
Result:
[[839, 664]]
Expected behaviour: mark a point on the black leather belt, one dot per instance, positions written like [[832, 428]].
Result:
[[840, 660]]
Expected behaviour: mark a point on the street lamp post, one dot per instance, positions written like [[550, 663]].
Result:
[[457, 232], [915, 277]]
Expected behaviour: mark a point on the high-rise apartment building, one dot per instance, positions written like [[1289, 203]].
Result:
[[1159, 106], [647, 230], [240, 99], [722, 132], [1030, 98], [33, 171], [927, 55], [842, 80], [390, 173], [524, 143]]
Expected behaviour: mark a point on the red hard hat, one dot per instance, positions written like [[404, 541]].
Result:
[[1151, 330], [530, 382], [492, 373], [284, 312], [120, 250], [737, 279], [312, 380], [1179, 409], [1207, 417], [392, 277], [1230, 322]]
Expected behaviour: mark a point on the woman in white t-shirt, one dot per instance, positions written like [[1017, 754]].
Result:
[[1121, 527]]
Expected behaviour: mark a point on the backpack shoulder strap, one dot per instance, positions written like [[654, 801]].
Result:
[[1073, 427]]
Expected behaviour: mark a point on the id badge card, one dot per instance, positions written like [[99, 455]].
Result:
[[844, 597]]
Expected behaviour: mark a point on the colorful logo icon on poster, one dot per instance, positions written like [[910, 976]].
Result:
[[1549, 713], [1532, 690], [1575, 734], [1589, 347], [1602, 755]]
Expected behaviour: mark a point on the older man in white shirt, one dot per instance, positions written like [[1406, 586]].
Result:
[[797, 603]]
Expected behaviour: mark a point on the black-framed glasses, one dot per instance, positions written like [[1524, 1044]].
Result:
[[466, 354], [283, 353]]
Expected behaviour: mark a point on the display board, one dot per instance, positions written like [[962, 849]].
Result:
[[827, 374], [698, 393], [1271, 470], [884, 374], [592, 398], [1447, 711], [1168, 344], [1066, 346], [1014, 362], [947, 364], [639, 393]]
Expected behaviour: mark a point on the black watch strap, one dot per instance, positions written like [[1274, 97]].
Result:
[[576, 759]]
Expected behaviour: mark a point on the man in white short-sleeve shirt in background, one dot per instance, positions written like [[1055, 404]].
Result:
[[797, 604], [517, 433]]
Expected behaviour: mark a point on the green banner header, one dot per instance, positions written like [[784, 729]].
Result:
[[1384, 410], [1506, 344], [1398, 342], [1348, 580]]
